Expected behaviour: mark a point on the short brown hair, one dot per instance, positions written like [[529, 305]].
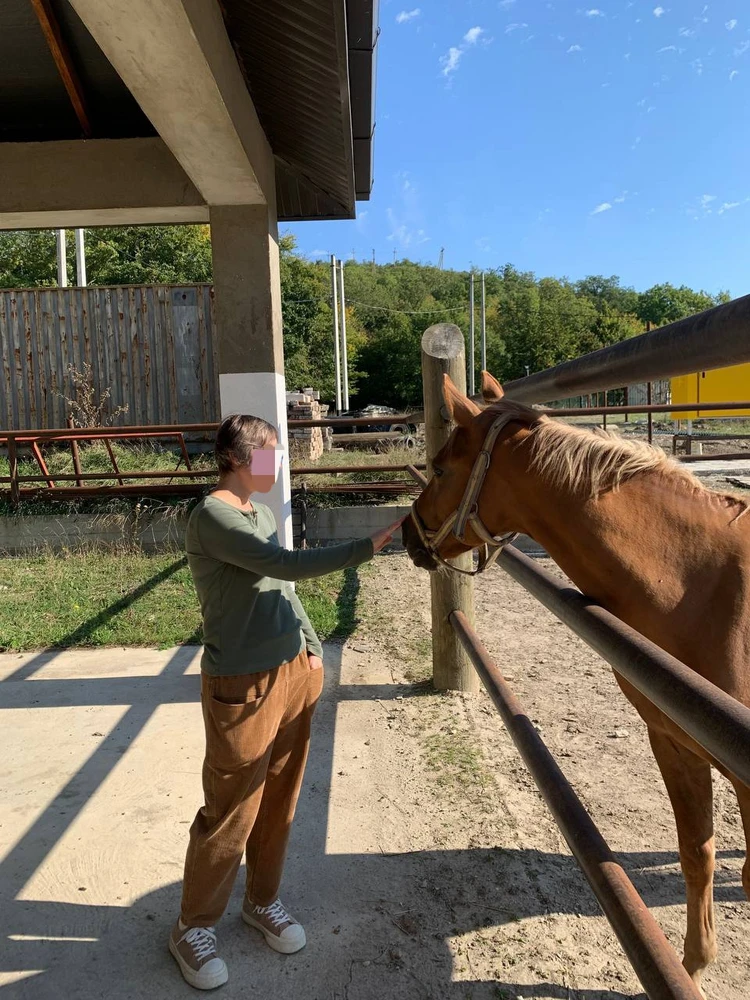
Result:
[[238, 436]]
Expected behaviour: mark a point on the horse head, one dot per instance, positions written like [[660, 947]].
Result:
[[462, 508]]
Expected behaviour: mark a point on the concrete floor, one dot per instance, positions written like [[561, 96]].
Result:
[[100, 755]]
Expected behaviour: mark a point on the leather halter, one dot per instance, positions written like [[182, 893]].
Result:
[[467, 513]]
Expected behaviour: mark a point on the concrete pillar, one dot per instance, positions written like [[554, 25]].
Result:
[[247, 312]]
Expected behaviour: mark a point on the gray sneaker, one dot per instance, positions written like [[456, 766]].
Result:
[[281, 931], [194, 950]]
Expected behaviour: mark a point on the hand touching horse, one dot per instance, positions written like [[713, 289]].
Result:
[[640, 535]]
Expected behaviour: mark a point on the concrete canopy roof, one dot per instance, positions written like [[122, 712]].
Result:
[[308, 66]]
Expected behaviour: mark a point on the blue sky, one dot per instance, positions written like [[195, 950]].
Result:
[[564, 138]]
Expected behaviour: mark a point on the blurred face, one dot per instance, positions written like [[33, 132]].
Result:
[[265, 467]]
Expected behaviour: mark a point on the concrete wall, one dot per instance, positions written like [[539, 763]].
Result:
[[156, 532]]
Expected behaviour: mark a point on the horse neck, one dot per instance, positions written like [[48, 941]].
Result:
[[639, 540]]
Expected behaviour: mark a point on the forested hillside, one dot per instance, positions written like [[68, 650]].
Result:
[[531, 321]]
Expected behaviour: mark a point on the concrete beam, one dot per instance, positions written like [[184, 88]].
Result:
[[97, 182], [176, 59]]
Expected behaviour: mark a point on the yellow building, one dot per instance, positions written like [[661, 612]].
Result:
[[722, 385]]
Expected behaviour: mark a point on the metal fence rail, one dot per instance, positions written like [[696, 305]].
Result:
[[720, 723], [711, 339], [654, 960], [162, 481]]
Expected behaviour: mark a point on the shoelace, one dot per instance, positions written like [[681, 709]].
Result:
[[202, 940], [276, 912]]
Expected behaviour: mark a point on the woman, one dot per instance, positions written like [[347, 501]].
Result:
[[261, 676]]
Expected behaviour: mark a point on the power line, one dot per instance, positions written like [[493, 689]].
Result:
[[367, 305]]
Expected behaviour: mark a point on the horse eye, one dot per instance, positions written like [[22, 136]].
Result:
[[437, 472]]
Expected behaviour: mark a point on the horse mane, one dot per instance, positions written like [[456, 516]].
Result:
[[589, 461]]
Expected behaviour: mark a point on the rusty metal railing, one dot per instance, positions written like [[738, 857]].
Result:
[[654, 960], [190, 481], [719, 723]]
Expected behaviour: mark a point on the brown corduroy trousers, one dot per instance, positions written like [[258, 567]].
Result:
[[257, 738]]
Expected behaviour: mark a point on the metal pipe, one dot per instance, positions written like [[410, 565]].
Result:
[[62, 264], [336, 343], [712, 717], [650, 417], [344, 350], [472, 338], [76, 456], [172, 430], [711, 339], [80, 259], [113, 460], [193, 489], [484, 327], [13, 472], [652, 957]]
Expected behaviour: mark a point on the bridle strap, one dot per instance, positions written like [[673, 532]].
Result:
[[467, 514]]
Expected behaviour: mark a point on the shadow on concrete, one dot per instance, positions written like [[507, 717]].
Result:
[[378, 924]]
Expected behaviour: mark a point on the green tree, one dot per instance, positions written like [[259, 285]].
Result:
[[145, 255], [666, 303], [28, 258]]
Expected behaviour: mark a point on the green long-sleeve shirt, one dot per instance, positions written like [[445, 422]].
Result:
[[252, 618]]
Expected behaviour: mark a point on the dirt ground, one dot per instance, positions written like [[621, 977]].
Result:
[[423, 862], [467, 790]]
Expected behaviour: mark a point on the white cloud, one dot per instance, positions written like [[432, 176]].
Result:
[[594, 12], [451, 60], [687, 32], [505, 4], [742, 49], [733, 74], [621, 199], [574, 48], [728, 206], [697, 65], [706, 200], [514, 27], [472, 35], [731, 25], [659, 12], [604, 207], [667, 48], [636, 142], [407, 15]]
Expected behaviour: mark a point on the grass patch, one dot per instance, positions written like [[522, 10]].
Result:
[[130, 598], [455, 760]]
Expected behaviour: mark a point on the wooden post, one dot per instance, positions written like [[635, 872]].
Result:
[[443, 353]]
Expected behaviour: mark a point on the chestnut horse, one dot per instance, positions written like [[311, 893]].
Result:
[[639, 534]]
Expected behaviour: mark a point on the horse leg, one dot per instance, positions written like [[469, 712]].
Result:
[[743, 798], [688, 781]]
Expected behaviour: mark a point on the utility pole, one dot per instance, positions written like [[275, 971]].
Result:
[[472, 338], [344, 354], [62, 264], [336, 346], [484, 328], [80, 259]]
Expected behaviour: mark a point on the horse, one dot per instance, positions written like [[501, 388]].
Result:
[[638, 533]]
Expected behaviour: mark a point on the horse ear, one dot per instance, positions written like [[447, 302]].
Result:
[[492, 391], [460, 409]]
